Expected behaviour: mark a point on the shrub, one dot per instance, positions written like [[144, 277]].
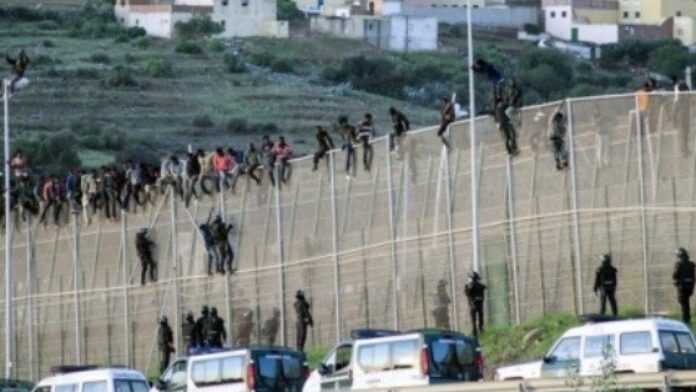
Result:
[[282, 66], [375, 75], [122, 38], [136, 32], [143, 42], [237, 125], [48, 25], [532, 29], [262, 59], [121, 77], [234, 64], [47, 43], [129, 58], [287, 10], [159, 68], [216, 45], [86, 73], [100, 58], [188, 47], [202, 121], [198, 27], [43, 59]]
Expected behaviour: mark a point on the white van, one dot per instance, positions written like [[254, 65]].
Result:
[[258, 369], [93, 379], [634, 346], [383, 359]]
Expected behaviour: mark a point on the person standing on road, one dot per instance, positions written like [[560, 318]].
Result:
[[188, 331], [684, 277], [304, 319], [605, 283], [476, 294], [165, 343]]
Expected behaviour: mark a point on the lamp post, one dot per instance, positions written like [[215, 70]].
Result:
[[476, 264], [9, 333]]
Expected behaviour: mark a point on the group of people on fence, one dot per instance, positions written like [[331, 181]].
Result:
[[208, 332]]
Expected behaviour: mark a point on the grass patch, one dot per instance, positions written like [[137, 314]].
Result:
[[315, 355]]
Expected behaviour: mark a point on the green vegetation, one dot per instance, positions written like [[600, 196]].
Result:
[[315, 355], [287, 10], [198, 28]]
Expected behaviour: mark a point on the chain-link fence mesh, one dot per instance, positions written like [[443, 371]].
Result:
[[372, 240]]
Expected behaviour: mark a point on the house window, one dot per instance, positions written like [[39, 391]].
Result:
[[563, 14], [434, 5], [553, 14], [679, 13], [625, 14], [123, 3], [225, 2], [245, 3], [637, 15]]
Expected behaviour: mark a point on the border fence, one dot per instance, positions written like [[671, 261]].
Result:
[[369, 250]]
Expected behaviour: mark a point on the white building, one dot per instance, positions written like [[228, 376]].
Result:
[[388, 29], [240, 18], [592, 21]]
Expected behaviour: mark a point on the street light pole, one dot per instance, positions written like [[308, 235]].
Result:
[[476, 263], [9, 333]]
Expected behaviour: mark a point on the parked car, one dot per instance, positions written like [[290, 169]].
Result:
[[386, 359], [259, 369], [93, 379], [633, 346]]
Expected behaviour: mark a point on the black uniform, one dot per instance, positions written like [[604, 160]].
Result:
[[605, 282], [476, 292], [442, 303], [144, 246], [304, 319], [270, 328], [218, 334], [325, 144], [165, 343], [202, 327], [684, 277], [188, 332]]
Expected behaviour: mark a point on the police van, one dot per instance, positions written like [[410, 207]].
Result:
[[386, 359], [93, 379], [259, 369], [632, 346]]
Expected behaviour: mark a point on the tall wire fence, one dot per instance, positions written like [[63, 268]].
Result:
[[369, 250]]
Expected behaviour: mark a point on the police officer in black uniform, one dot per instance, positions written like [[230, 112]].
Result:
[[304, 319], [165, 343], [684, 277], [442, 302], [188, 329], [605, 283], [201, 327], [476, 293], [144, 247], [218, 335]]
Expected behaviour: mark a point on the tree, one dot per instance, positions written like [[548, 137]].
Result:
[[197, 28], [287, 10], [669, 60]]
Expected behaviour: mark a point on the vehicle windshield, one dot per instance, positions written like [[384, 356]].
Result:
[[279, 368], [130, 386], [218, 371], [15, 386], [451, 355]]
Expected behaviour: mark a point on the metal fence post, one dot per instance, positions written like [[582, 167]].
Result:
[[175, 262], [126, 282], [334, 234], [643, 218], [574, 206], [30, 300], [392, 229], [76, 293], [513, 238], [450, 240], [281, 258]]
